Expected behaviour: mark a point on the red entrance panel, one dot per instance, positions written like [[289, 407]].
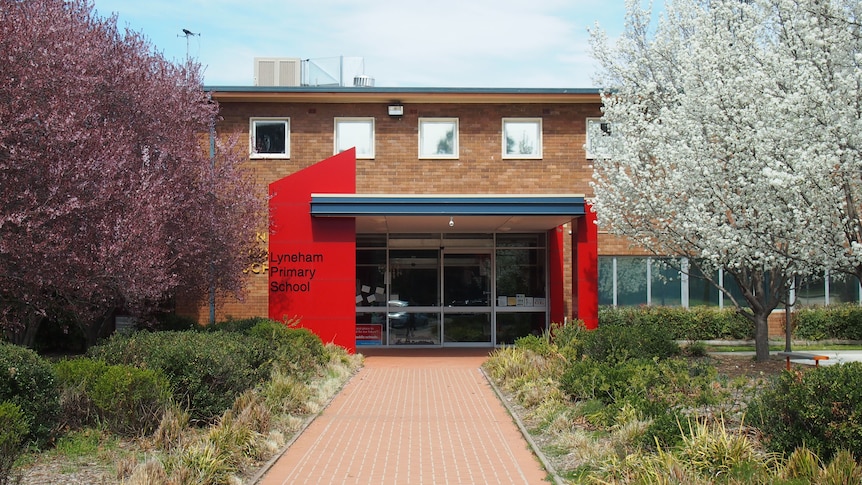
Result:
[[312, 260], [585, 287]]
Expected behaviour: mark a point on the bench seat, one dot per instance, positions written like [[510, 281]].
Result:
[[803, 356]]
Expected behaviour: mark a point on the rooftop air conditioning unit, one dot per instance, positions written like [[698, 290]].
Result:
[[362, 81], [277, 71]]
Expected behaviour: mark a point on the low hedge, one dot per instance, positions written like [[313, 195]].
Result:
[[696, 323], [842, 322], [207, 370], [128, 400], [28, 381]]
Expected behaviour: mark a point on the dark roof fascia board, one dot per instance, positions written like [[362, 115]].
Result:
[[318, 94], [339, 205]]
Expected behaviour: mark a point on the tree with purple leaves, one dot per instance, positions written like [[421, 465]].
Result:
[[115, 192]]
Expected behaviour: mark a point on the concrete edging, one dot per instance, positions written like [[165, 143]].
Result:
[[266, 467], [546, 464]]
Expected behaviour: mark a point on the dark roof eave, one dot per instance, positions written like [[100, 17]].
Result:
[[338, 94]]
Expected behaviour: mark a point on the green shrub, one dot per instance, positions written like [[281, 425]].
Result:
[[696, 323], [131, 400], [239, 326], [28, 380], [297, 349], [207, 370], [75, 378], [649, 386], [13, 436], [833, 322], [820, 408], [617, 343]]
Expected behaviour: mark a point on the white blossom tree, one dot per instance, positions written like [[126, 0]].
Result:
[[723, 146]]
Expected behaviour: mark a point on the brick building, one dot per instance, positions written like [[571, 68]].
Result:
[[419, 216], [440, 216]]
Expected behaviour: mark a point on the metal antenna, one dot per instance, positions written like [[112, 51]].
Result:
[[188, 33]]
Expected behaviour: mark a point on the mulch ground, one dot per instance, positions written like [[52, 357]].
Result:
[[733, 365]]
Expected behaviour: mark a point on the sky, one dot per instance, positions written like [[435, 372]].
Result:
[[398, 43]]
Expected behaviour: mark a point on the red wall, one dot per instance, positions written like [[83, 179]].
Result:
[[585, 287], [312, 260]]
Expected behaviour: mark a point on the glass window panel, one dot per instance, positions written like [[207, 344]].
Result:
[[520, 272], [631, 281], [467, 279], [438, 138], [811, 291], [701, 292], [414, 276], [843, 288], [413, 328], [666, 284], [521, 240], [522, 138], [732, 287], [467, 327], [370, 240], [512, 326], [355, 132], [370, 277], [270, 138], [606, 280]]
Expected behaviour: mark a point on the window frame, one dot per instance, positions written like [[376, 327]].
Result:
[[537, 122], [252, 137], [338, 121], [455, 143], [591, 151]]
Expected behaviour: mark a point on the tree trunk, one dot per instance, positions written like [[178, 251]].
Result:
[[97, 329], [761, 336]]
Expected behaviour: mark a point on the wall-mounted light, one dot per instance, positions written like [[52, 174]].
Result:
[[451, 221], [396, 110]]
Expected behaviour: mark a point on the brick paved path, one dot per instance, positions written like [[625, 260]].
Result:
[[412, 417]]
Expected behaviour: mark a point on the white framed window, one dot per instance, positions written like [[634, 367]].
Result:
[[355, 132], [522, 138], [599, 132], [269, 138], [438, 137]]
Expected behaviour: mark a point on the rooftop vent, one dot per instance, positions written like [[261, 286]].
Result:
[[363, 81], [277, 71]]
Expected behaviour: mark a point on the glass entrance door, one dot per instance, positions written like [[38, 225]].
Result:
[[467, 276]]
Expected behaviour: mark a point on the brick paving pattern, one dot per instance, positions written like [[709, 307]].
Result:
[[412, 417]]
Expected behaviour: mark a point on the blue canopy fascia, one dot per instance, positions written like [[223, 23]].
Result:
[[358, 205]]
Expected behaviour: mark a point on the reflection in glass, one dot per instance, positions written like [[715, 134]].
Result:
[[521, 272], [666, 284], [811, 291], [467, 279], [438, 138], [606, 280], [631, 281], [843, 288], [413, 328], [467, 327], [701, 292], [415, 276], [512, 326]]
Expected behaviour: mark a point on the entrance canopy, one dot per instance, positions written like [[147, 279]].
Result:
[[486, 213]]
